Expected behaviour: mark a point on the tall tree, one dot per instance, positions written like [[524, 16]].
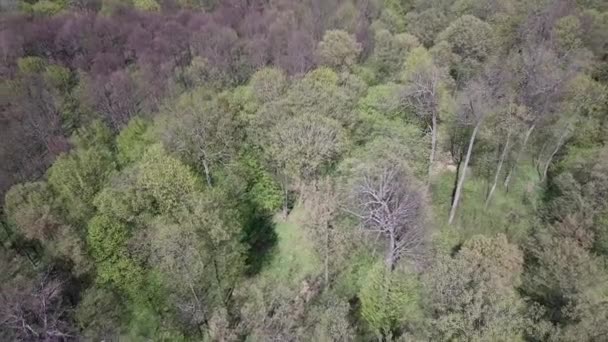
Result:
[[389, 203], [425, 93]]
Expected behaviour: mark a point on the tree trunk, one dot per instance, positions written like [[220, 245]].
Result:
[[285, 198], [519, 154], [433, 145], [390, 258], [498, 169], [207, 172], [464, 173], [327, 228], [560, 142]]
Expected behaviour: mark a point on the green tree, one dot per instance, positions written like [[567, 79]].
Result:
[[165, 180], [203, 133], [472, 296], [389, 300], [471, 39], [338, 50], [77, 176], [200, 257], [133, 141], [390, 52]]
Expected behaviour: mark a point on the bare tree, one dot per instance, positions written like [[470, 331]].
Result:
[[474, 105], [35, 310], [390, 203], [542, 78]]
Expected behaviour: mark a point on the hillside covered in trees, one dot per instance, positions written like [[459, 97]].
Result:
[[304, 170]]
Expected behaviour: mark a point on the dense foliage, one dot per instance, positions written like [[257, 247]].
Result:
[[318, 170]]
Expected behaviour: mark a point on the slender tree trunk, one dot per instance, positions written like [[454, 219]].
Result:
[[285, 198], [390, 258], [464, 173], [499, 169], [557, 147], [519, 154], [433, 145], [327, 228], [207, 172], [539, 157]]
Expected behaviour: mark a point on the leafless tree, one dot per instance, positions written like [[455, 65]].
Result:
[[475, 103], [35, 310], [389, 202]]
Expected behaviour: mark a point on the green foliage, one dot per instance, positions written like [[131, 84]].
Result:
[[31, 65], [395, 140], [76, 177], [165, 179], [568, 33], [133, 141], [44, 7], [383, 99], [59, 78], [268, 84], [146, 5], [471, 39], [107, 237], [100, 313], [338, 49], [305, 146], [473, 296], [340, 90], [262, 190], [426, 25], [389, 299], [390, 51], [29, 207]]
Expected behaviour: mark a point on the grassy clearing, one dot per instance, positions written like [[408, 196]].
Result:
[[294, 258], [511, 213]]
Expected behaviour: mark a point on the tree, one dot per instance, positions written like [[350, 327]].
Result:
[[133, 141], [202, 132], [165, 180], [424, 93], [390, 52], [389, 203], [200, 257], [475, 104], [268, 84], [29, 207], [542, 77], [471, 39], [321, 201], [426, 25], [320, 93], [570, 284], [303, 147], [338, 50], [472, 296], [389, 300], [76, 177], [36, 308]]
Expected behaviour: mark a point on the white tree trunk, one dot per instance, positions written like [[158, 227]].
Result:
[[464, 174], [560, 142], [207, 172], [499, 169], [433, 145]]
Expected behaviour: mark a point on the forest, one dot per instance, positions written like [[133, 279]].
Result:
[[304, 170]]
